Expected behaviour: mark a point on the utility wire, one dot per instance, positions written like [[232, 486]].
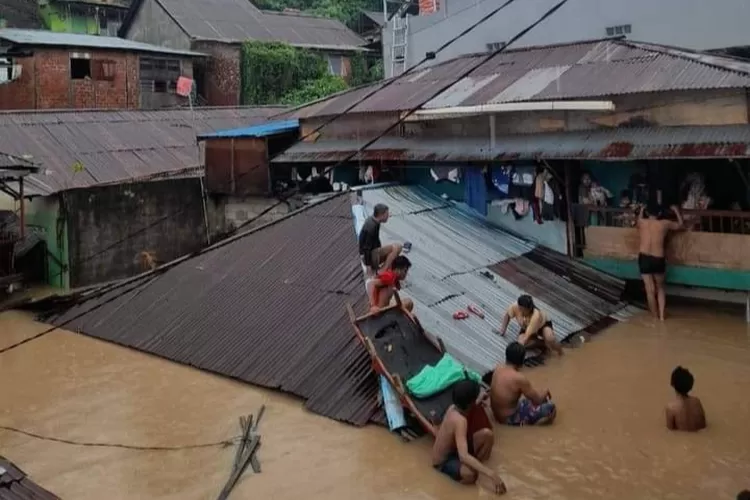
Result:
[[413, 110], [376, 88], [215, 444]]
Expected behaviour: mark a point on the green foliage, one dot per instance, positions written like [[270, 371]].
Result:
[[311, 90], [365, 70], [271, 70], [343, 10]]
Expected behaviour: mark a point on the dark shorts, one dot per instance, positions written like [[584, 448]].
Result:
[[451, 467], [648, 264], [374, 261], [528, 414], [540, 333]]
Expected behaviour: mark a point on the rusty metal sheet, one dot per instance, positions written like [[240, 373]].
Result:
[[16, 485], [114, 145], [256, 309], [577, 70]]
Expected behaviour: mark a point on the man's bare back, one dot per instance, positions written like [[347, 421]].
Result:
[[686, 414], [506, 390], [652, 235]]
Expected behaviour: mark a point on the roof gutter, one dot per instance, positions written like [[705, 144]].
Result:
[[509, 107]]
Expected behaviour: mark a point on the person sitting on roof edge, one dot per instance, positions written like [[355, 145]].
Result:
[[534, 323], [373, 253], [513, 399], [455, 453], [383, 287]]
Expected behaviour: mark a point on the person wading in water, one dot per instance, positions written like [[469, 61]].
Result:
[[653, 228]]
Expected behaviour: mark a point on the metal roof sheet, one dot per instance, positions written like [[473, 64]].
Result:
[[16, 485], [113, 146], [50, 38], [236, 21], [453, 250], [15, 162], [725, 141], [266, 307], [262, 130], [576, 70]]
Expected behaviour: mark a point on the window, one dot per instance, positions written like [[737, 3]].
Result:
[[103, 21], [160, 86], [621, 30], [495, 46], [335, 65], [80, 68]]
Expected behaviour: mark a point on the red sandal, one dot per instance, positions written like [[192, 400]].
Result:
[[460, 315], [475, 310]]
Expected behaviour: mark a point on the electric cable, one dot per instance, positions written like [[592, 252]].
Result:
[[215, 444], [234, 236], [377, 87]]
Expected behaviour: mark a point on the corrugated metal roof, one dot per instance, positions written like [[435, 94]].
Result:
[[236, 21], [726, 141], [16, 485], [453, 250], [266, 308], [263, 130], [50, 38], [16, 162], [569, 71], [113, 146]]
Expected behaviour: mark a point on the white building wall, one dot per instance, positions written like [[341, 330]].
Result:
[[694, 24]]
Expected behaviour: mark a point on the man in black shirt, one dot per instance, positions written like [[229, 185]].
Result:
[[373, 253]]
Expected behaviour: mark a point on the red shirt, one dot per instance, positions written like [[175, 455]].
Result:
[[389, 278]]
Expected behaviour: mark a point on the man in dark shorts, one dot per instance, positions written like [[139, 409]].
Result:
[[457, 455], [534, 324], [374, 254], [653, 228], [513, 399]]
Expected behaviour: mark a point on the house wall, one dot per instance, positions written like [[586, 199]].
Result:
[[153, 25], [111, 226], [158, 87], [46, 83], [43, 214], [221, 83], [683, 23], [237, 167], [242, 209]]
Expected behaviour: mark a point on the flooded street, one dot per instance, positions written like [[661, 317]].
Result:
[[609, 440]]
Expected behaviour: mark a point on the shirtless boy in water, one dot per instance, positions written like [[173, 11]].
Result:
[[534, 324], [686, 412], [460, 456], [513, 399], [652, 232]]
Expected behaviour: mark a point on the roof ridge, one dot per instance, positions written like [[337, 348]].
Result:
[[689, 55]]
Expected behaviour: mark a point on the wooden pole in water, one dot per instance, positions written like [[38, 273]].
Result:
[[569, 226]]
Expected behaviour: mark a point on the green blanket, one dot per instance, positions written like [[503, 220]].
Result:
[[434, 379]]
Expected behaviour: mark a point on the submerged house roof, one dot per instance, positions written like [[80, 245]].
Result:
[[460, 259], [35, 38], [16, 485], [579, 70], [266, 307], [236, 21], [80, 148]]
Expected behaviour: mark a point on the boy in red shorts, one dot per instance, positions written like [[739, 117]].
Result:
[[385, 284]]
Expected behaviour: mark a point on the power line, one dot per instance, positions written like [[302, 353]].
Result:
[[215, 444], [376, 88], [403, 117]]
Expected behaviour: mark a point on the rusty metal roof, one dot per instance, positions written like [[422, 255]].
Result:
[[556, 72], [236, 21], [266, 308], [459, 259], [725, 141], [16, 485], [113, 146]]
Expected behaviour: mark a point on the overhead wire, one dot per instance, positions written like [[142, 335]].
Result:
[[376, 88], [482, 61]]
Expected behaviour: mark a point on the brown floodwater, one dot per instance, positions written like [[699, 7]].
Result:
[[609, 440]]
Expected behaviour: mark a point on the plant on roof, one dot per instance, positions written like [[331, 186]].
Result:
[[343, 10], [274, 72]]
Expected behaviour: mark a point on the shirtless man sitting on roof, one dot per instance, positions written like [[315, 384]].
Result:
[[382, 288], [457, 455], [653, 228], [513, 399], [534, 323]]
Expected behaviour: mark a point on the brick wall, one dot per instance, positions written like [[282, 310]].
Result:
[[45, 83], [221, 73]]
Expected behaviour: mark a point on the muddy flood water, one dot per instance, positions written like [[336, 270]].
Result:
[[609, 440]]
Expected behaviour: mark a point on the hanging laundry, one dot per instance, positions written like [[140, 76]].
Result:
[[501, 178], [475, 191], [443, 174]]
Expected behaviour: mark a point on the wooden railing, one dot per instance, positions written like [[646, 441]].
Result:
[[708, 221]]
